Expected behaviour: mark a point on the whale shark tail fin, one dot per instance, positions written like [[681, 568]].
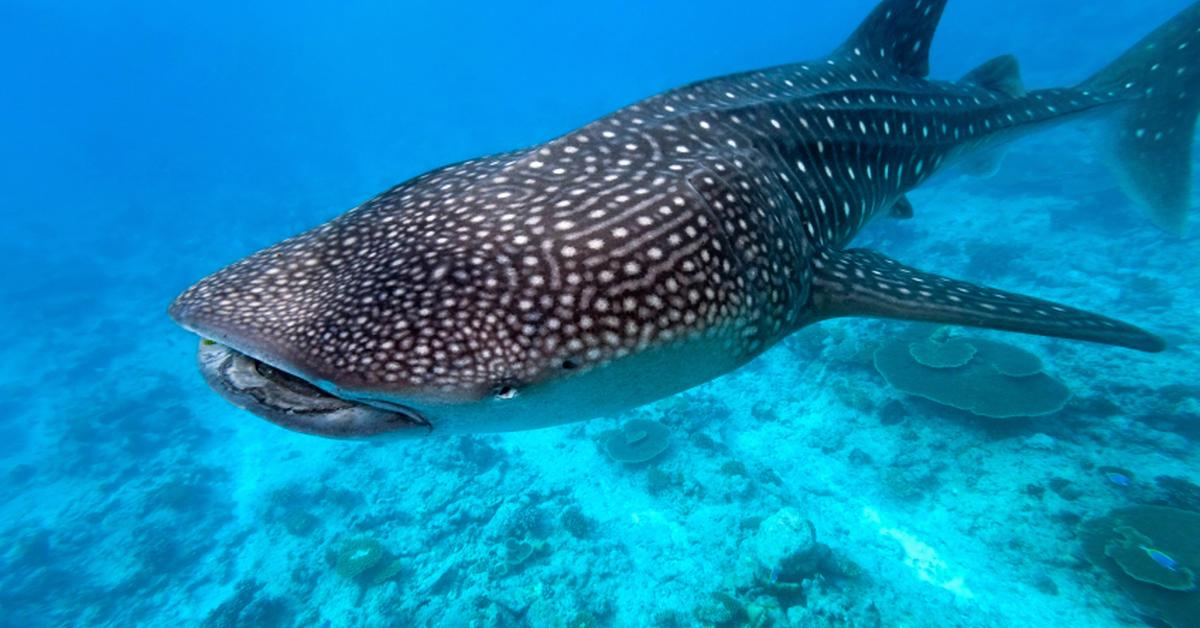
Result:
[[1153, 145], [897, 32], [860, 282]]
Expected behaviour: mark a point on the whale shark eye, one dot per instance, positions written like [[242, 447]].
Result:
[[569, 364], [506, 392]]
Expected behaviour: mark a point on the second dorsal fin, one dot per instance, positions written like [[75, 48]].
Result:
[[902, 209], [898, 32], [1002, 74]]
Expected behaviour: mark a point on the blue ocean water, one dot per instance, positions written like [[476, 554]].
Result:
[[148, 144]]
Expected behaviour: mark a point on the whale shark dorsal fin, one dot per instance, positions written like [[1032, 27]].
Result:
[[1002, 74], [860, 282], [899, 33]]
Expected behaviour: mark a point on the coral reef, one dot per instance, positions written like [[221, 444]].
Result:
[[980, 376], [659, 481], [1153, 553], [949, 353], [366, 562], [721, 610], [786, 545], [637, 441], [909, 482], [787, 559], [1179, 492], [300, 522], [248, 607], [1140, 559], [576, 523], [517, 553]]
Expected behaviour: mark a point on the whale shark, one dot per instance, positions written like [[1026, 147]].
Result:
[[666, 244]]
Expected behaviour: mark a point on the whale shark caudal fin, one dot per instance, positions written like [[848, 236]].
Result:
[[1161, 77], [860, 282], [898, 32]]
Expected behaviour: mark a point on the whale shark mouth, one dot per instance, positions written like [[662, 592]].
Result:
[[295, 403]]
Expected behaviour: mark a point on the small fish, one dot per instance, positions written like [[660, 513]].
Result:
[[1166, 561], [1119, 479]]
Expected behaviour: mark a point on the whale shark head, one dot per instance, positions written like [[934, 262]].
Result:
[[406, 301], [458, 299]]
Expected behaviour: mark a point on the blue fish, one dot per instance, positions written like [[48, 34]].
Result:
[[1162, 559], [1117, 478]]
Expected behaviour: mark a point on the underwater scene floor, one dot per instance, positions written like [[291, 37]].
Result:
[[801, 490]]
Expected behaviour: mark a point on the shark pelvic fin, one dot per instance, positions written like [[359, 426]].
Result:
[[1002, 74], [1161, 76], [984, 163], [860, 282], [902, 209], [898, 32]]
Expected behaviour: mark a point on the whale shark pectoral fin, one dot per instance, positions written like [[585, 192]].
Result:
[[860, 282]]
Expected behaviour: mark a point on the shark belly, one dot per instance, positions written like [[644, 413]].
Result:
[[606, 389]]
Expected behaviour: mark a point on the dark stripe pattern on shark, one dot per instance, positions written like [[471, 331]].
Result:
[[709, 222]]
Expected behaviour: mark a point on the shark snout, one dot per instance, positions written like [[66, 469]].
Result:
[[249, 354], [296, 404], [217, 322]]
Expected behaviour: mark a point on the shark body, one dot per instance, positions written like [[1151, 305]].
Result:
[[665, 244]]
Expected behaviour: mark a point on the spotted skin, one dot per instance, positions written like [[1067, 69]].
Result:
[[648, 251]]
